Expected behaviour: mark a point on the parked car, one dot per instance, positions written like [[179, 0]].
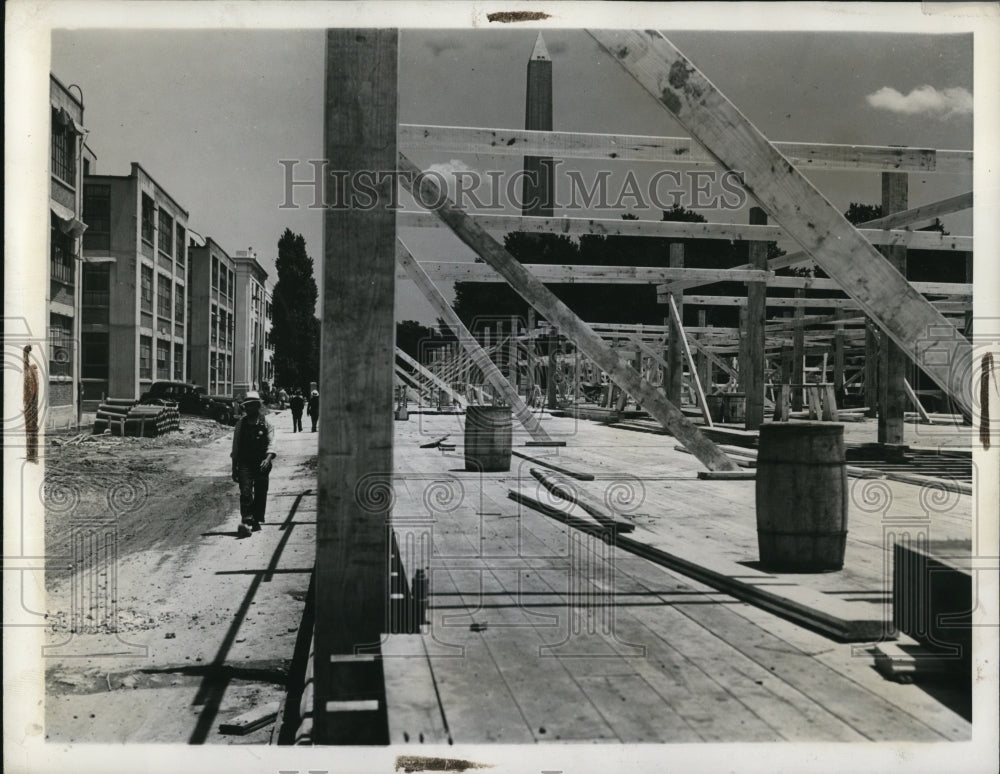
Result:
[[224, 409], [189, 398]]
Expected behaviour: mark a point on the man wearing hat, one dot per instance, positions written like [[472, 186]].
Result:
[[253, 450], [314, 409]]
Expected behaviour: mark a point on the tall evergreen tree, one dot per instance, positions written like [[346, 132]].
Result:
[[295, 328]]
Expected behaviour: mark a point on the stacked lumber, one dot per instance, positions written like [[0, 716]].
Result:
[[123, 416]]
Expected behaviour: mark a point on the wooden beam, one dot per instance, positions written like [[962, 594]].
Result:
[[560, 316], [674, 376], [491, 373], [907, 219], [677, 150], [839, 342], [798, 352], [604, 275], [916, 402], [818, 303], [435, 380], [669, 229], [893, 360], [752, 370], [787, 196], [357, 368], [413, 382], [675, 315]]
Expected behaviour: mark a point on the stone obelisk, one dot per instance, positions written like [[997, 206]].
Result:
[[539, 184]]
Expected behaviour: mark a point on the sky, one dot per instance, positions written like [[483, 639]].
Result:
[[212, 113]]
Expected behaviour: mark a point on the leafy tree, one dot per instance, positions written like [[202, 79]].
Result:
[[594, 302], [414, 339], [295, 329], [858, 213]]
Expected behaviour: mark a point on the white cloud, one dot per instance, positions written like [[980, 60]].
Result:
[[943, 103]]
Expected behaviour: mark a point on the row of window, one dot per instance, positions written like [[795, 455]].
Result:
[[171, 237], [163, 302], [223, 279], [168, 237], [64, 153], [163, 360], [220, 372], [221, 327]]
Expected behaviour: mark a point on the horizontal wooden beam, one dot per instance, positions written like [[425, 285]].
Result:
[[906, 219], [671, 229], [818, 303], [573, 274], [673, 150], [443, 271]]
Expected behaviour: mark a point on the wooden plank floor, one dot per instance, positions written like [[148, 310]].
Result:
[[541, 633]]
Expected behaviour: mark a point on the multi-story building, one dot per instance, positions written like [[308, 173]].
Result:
[[134, 285], [211, 317], [253, 323], [68, 155]]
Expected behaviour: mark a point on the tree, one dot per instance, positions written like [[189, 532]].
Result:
[[594, 302], [414, 338], [295, 328]]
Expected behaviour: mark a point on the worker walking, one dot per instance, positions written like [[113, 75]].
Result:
[[253, 451], [314, 409], [297, 404]]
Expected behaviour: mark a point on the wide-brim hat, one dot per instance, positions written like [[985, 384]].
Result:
[[251, 397]]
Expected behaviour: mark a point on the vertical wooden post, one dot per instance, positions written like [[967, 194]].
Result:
[[553, 396], [356, 426], [675, 353], [753, 374], [893, 361], [838, 357], [872, 392], [529, 343], [704, 364], [512, 356], [798, 351], [968, 279]]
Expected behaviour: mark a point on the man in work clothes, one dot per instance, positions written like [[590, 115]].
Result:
[[297, 403], [253, 450], [314, 409]]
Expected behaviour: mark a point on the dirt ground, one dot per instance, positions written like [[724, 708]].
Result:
[[162, 624]]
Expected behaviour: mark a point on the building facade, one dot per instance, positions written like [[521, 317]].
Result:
[[67, 157], [253, 367], [212, 329], [134, 286]]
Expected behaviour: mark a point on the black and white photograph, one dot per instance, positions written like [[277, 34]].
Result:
[[554, 388]]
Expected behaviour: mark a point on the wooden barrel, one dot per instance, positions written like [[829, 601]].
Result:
[[715, 405], [734, 407], [488, 436], [801, 496]]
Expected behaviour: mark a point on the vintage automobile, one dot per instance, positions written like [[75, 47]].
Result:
[[189, 398], [224, 408]]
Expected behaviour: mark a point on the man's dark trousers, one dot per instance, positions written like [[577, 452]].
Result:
[[253, 493]]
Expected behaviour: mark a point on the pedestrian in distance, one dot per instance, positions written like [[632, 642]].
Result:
[[314, 409], [297, 403], [282, 399], [253, 451]]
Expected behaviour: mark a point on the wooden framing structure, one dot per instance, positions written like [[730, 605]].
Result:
[[362, 253]]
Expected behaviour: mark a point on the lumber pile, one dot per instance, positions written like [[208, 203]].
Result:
[[123, 417]]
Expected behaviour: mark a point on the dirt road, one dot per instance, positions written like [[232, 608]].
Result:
[[162, 623]]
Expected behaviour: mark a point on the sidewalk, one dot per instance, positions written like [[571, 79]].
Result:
[[205, 628]]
